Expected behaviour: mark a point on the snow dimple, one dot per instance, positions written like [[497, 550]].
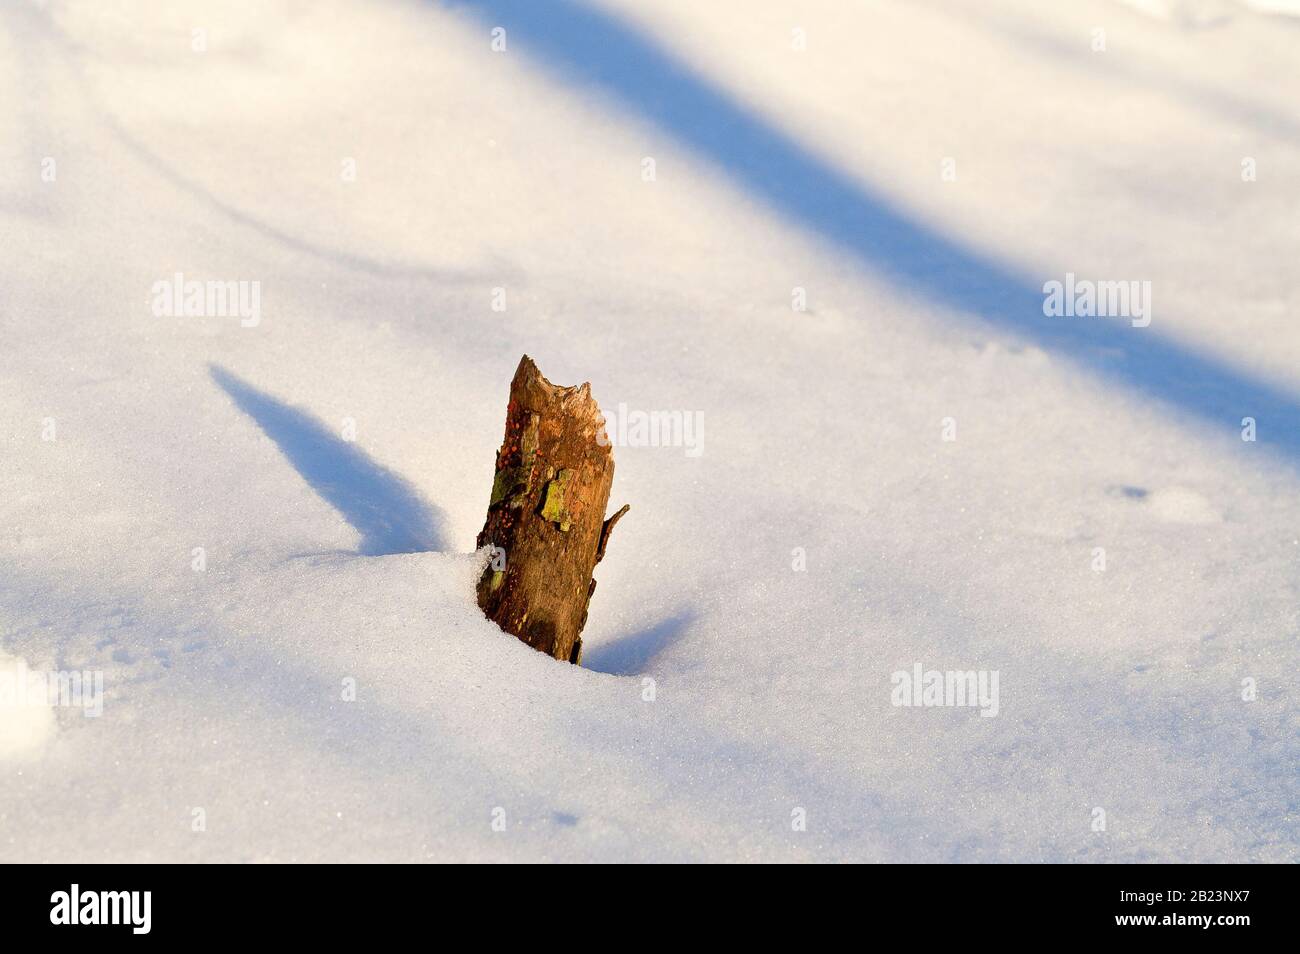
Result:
[[1170, 504], [1129, 491]]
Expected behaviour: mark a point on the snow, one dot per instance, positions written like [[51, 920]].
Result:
[[1200, 13], [294, 666], [26, 724]]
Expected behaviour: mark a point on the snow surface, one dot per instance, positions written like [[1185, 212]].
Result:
[[330, 563]]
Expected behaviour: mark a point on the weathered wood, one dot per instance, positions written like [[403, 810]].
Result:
[[546, 518]]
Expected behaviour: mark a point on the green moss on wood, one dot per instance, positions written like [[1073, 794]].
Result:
[[554, 508]]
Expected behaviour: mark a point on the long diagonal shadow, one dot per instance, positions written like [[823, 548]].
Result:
[[598, 51], [386, 510]]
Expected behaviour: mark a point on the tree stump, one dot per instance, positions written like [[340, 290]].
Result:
[[546, 518]]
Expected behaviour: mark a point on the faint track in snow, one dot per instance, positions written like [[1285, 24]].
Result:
[[43, 26]]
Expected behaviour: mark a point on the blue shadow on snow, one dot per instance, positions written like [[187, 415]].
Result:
[[597, 50], [385, 509]]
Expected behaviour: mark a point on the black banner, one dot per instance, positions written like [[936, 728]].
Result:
[[140, 903]]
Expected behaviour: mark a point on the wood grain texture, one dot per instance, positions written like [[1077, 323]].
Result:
[[546, 516]]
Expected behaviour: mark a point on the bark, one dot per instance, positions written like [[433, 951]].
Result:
[[546, 518]]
